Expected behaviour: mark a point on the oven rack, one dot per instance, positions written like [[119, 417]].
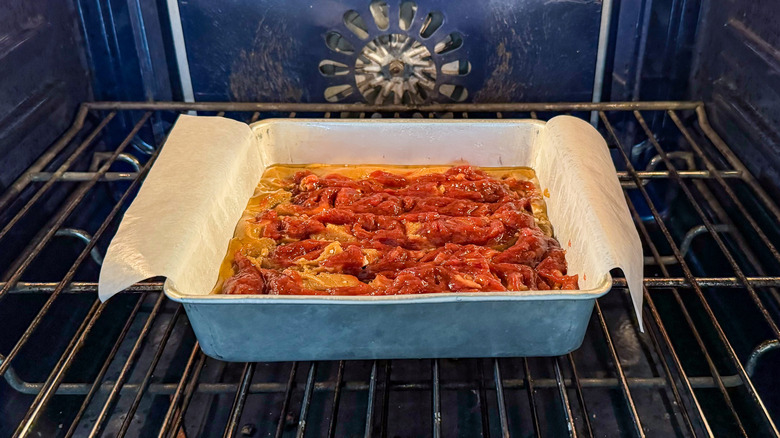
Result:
[[708, 228]]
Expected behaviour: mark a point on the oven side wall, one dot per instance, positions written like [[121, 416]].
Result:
[[44, 78], [737, 72]]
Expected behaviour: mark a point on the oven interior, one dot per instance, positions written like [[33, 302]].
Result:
[[686, 93]]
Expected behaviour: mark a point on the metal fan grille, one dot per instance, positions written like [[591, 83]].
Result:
[[394, 62]]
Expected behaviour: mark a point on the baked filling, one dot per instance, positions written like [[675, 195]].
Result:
[[369, 230]]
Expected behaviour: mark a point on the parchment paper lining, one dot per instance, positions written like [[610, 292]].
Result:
[[185, 213]]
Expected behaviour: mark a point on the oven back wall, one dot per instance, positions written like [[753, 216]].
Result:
[[498, 51]]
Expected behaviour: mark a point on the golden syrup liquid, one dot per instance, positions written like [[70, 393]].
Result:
[[270, 192]]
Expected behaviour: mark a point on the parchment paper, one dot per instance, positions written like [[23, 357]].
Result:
[[186, 211]]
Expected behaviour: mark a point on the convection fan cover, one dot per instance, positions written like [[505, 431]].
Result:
[[399, 64]]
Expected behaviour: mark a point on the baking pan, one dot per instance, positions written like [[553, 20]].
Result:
[[283, 328], [484, 324]]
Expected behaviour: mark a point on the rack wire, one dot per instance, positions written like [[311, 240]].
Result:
[[73, 366]]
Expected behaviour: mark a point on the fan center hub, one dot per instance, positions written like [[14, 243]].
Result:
[[395, 68]]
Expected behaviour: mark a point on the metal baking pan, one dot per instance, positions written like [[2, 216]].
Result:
[[283, 328], [485, 324]]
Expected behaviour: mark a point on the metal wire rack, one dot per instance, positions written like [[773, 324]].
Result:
[[73, 366]]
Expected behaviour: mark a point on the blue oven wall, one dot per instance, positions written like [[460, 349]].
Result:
[[738, 74], [43, 78], [530, 50]]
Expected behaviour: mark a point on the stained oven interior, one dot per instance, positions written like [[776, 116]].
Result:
[[685, 92]]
